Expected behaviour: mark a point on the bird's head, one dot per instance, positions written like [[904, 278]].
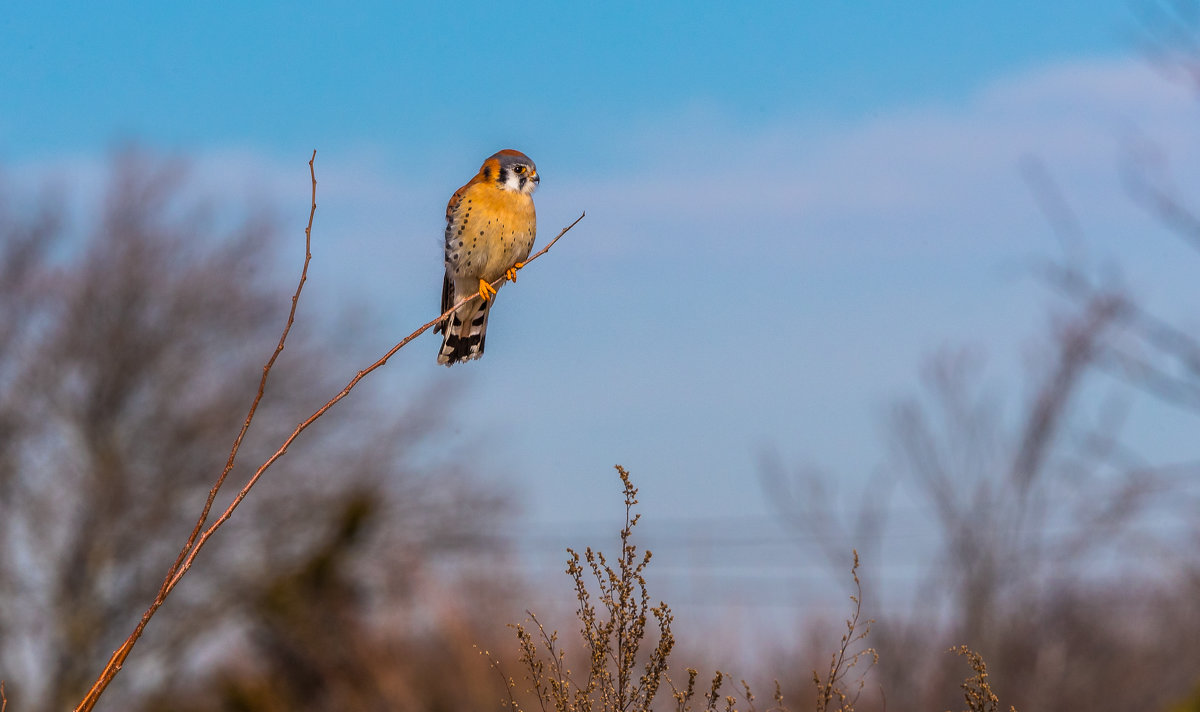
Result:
[[512, 170]]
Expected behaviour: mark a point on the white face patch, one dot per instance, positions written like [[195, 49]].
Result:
[[520, 182]]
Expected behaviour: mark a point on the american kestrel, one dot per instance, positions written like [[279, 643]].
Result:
[[490, 227]]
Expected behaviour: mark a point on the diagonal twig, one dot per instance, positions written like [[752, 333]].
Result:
[[282, 450], [118, 657], [200, 534]]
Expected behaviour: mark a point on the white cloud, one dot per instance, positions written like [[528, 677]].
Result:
[[953, 166], [937, 169]]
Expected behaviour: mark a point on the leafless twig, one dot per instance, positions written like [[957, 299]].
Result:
[[200, 535], [191, 547], [833, 687]]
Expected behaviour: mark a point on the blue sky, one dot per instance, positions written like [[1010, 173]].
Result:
[[790, 205], [411, 78]]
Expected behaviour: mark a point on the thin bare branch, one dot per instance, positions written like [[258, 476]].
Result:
[[1177, 383], [198, 539], [1054, 206], [1078, 347], [118, 657], [1148, 181]]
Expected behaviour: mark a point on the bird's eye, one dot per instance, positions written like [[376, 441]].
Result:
[[519, 170]]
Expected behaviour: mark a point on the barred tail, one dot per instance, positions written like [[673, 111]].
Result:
[[464, 333]]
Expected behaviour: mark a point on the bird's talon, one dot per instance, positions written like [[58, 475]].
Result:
[[511, 272], [485, 289]]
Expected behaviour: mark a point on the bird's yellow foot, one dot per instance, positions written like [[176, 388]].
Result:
[[511, 272], [485, 289]]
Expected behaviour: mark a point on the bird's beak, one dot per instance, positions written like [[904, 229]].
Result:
[[536, 178]]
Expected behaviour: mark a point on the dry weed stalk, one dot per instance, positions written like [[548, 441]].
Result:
[[613, 630], [977, 690], [833, 688], [616, 623], [201, 534], [712, 698]]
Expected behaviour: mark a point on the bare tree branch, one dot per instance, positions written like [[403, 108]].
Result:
[[118, 657], [196, 539], [1175, 378], [1079, 343]]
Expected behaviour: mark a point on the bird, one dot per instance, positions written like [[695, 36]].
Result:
[[490, 229]]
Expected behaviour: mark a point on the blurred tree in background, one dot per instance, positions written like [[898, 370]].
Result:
[[1066, 555], [128, 358]]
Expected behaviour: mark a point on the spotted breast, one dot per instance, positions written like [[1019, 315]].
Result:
[[490, 229]]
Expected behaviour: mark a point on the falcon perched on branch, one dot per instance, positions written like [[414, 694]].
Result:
[[490, 227]]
